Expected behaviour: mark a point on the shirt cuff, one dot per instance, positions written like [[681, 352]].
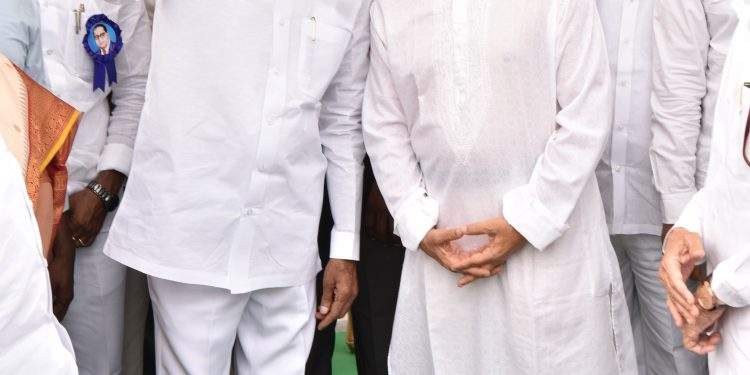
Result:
[[672, 205], [526, 214], [416, 216], [344, 245], [116, 156], [723, 288]]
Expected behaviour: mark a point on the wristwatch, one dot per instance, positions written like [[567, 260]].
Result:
[[706, 298], [110, 201]]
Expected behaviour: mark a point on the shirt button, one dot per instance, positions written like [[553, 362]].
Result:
[[49, 52], [282, 23], [275, 71], [623, 84], [617, 168], [620, 127]]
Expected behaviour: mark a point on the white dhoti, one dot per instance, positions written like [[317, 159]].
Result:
[[196, 328]]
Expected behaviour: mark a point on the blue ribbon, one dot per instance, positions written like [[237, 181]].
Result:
[[104, 68]]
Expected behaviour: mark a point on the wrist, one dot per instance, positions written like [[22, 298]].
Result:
[[107, 198]]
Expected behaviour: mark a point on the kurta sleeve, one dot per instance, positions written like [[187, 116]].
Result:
[[731, 279], [341, 136], [680, 58], [128, 94], [540, 209], [393, 160]]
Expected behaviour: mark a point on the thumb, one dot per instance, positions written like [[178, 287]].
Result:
[[326, 298], [695, 248]]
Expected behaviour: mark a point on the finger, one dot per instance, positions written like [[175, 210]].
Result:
[[497, 270], [479, 228], [448, 234], [478, 272], [476, 259], [465, 280], [685, 314], [675, 314], [337, 310], [677, 288], [326, 299]]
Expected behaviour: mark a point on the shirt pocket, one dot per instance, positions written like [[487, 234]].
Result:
[[322, 48], [75, 58]]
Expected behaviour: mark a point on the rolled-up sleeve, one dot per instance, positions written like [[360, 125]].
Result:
[[128, 94], [680, 58], [540, 209], [341, 137], [388, 144]]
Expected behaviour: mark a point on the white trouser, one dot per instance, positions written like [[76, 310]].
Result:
[[658, 341], [196, 328], [95, 317], [136, 313]]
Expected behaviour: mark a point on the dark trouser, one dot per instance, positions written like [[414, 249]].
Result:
[[379, 273], [321, 353]]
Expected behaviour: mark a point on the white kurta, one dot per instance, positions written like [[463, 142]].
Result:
[[720, 212], [475, 109], [32, 341]]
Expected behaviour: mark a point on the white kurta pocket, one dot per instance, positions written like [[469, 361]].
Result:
[[322, 47]]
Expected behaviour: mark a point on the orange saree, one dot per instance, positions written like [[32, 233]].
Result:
[[43, 140]]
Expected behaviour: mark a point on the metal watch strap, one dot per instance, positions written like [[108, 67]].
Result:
[[109, 200]]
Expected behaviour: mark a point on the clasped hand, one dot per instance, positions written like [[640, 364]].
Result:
[[682, 250], [486, 261]]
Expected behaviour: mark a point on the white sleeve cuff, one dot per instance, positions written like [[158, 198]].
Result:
[[344, 245], [526, 214], [672, 205], [116, 156], [728, 286], [416, 216]]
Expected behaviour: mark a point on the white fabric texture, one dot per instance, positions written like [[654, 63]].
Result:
[[32, 341], [197, 327], [95, 317], [226, 189], [691, 40], [720, 212], [659, 347], [631, 202], [490, 108]]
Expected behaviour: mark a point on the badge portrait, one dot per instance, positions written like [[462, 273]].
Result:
[[101, 38]]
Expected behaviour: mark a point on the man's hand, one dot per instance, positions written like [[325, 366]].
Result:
[[682, 250], [694, 335], [339, 290], [61, 266], [87, 212], [504, 240]]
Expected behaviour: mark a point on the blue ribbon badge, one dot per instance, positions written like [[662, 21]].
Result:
[[103, 41]]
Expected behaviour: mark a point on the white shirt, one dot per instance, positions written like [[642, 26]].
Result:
[[691, 39], [476, 109], [102, 141], [720, 212], [250, 105], [631, 201]]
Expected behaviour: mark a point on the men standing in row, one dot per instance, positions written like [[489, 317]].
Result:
[[631, 201], [97, 165], [224, 198]]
